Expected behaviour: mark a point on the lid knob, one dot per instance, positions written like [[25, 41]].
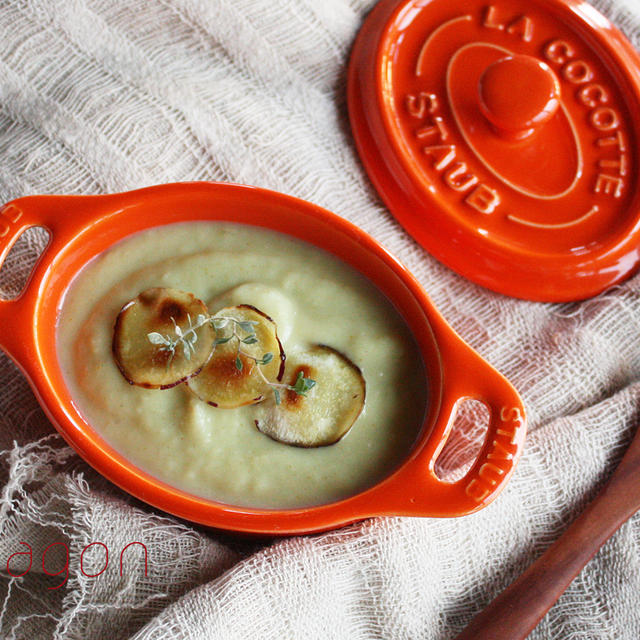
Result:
[[517, 95]]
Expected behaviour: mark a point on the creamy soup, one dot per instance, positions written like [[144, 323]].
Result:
[[219, 453]]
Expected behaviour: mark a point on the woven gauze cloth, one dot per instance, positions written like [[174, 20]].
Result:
[[102, 96]]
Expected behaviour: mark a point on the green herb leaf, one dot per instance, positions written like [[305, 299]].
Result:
[[302, 384], [219, 323], [222, 340], [156, 338], [250, 339], [266, 358], [276, 394], [238, 363], [247, 326]]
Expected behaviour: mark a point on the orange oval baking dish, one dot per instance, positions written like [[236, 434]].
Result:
[[82, 227]]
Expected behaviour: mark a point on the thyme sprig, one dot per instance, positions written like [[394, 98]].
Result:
[[189, 337], [300, 387]]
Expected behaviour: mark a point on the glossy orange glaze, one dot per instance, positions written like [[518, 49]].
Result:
[[82, 227], [527, 197], [518, 95]]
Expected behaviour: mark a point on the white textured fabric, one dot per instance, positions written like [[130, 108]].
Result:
[[108, 95]]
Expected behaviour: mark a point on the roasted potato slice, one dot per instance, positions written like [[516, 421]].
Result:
[[329, 408], [163, 313], [231, 378]]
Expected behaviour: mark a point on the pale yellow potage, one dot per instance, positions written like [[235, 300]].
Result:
[[219, 453]]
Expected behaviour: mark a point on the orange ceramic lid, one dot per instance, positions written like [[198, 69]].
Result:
[[503, 136]]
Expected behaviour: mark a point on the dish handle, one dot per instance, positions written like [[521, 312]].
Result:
[[416, 489], [63, 217]]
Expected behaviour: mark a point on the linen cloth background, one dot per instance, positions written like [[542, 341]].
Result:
[[109, 95]]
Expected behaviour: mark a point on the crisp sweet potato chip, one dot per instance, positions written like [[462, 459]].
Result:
[[326, 412], [159, 311], [230, 380]]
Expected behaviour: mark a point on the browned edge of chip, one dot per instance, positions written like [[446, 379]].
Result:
[[283, 357]]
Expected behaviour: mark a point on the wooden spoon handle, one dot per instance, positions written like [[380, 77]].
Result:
[[518, 609]]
